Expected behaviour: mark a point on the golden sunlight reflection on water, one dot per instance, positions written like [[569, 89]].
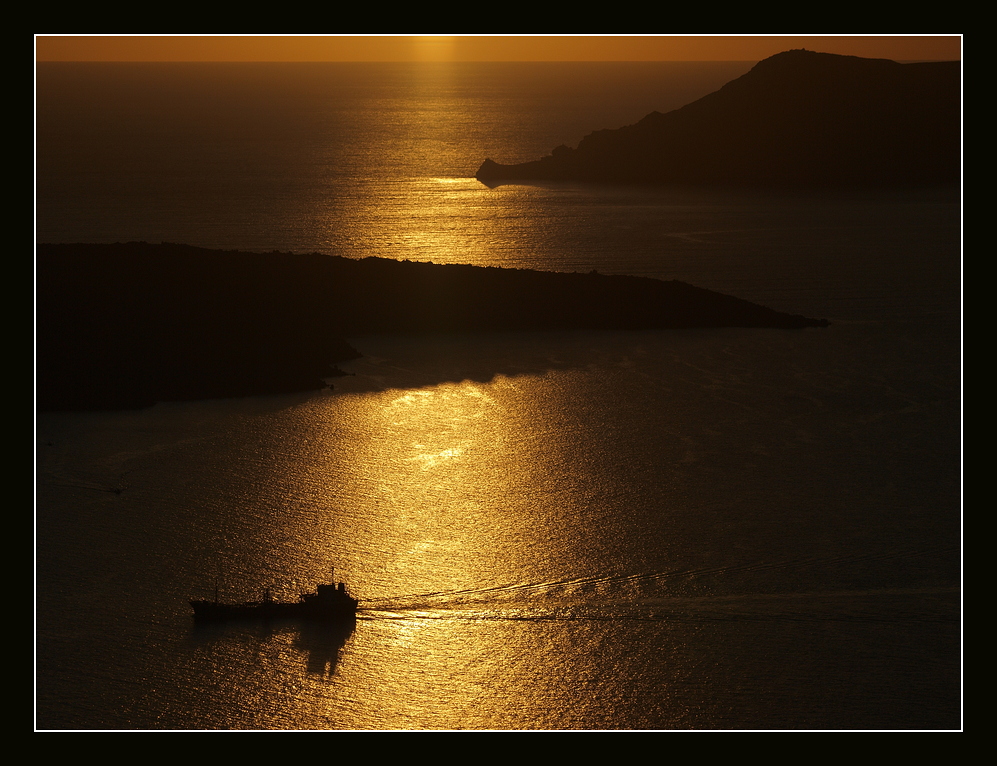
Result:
[[442, 220], [456, 495], [443, 468], [452, 501]]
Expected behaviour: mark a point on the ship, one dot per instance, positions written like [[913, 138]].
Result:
[[330, 602]]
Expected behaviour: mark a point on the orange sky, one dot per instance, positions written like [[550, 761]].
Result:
[[484, 48]]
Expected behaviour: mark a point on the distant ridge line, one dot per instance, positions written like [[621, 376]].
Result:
[[796, 119]]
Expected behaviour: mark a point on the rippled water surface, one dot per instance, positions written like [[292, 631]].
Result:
[[731, 529]]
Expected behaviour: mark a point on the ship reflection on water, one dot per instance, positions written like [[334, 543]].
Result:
[[323, 643], [320, 643]]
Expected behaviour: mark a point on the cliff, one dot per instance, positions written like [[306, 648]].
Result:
[[125, 325], [798, 118]]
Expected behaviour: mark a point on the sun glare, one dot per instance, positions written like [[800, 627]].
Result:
[[434, 48]]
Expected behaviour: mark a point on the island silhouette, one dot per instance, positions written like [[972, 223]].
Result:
[[796, 119], [124, 325]]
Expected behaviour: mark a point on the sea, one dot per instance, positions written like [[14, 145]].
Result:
[[686, 530]]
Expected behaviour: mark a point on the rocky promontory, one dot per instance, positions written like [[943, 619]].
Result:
[[126, 325], [797, 119]]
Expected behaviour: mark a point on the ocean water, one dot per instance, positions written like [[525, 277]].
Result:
[[732, 529]]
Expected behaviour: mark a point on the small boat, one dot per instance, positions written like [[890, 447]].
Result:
[[328, 603]]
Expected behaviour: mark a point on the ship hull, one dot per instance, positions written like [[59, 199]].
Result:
[[211, 611]]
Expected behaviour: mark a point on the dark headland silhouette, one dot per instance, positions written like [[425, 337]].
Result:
[[798, 118], [122, 326]]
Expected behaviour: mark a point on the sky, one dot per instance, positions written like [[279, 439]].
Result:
[[485, 47]]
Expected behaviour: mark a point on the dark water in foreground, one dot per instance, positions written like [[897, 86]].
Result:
[[734, 529]]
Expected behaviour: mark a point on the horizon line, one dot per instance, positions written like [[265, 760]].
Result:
[[481, 48]]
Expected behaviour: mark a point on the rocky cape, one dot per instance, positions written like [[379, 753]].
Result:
[[797, 119], [121, 326]]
